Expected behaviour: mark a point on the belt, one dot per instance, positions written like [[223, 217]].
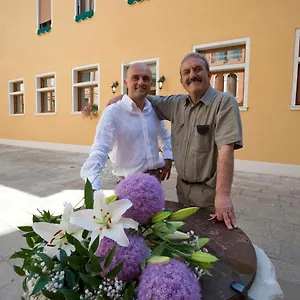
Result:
[[189, 182], [153, 172]]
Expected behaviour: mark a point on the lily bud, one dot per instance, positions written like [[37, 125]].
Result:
[[183, 213], [111, 198], [203, 257], [159, 260], [160, 216], [177, 235], [176, 224]]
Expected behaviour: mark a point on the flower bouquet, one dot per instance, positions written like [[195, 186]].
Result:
[[90, 110], [125, 246]]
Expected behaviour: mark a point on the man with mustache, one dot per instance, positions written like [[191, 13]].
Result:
[[130, 129], [206, 129]]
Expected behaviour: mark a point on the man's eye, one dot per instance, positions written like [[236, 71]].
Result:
[[198, 69], [146, 79], [186, 72]]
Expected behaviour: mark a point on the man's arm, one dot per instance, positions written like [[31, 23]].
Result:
[[165, 138], [103, 144], [223, 202], [228, 137]]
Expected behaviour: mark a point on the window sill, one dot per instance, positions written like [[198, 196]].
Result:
[[76, 113], [16, 115], [44, 30], [46, 114], [85, 15], [295, 107], [243, 108]]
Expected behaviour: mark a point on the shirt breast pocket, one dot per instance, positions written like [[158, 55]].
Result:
[[203, 137]]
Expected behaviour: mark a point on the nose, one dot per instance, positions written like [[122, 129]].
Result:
[[141, 81], [192, 73]]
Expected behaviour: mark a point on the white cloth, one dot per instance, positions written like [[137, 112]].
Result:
[[265, 285], [131, 135]]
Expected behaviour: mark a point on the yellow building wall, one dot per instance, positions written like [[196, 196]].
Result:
[[166, 29]]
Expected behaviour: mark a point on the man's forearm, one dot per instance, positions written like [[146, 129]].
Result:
[[225, 170]]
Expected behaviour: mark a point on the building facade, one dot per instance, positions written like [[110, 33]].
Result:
[[57, 56]]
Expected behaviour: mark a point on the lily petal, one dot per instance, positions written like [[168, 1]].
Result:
[[129, 223], [46, 230], [84, 219], [65, 219], [117, 233], [51, 251], [118, 208], [94, 236], [100, 206]]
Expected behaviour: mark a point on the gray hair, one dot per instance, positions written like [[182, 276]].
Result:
[[196, 55]]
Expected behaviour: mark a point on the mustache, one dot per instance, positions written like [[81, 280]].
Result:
[[193, 79]]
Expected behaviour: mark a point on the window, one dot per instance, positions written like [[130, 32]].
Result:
[[153, 65], [84, 9], [16, 97], [45, 93], [229, 64], [44, 13], [295, 102], [85, 87]]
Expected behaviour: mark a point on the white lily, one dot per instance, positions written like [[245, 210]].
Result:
[[105, 220], [55, 234]]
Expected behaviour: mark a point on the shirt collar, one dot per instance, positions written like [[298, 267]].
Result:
[[207, 98], [130, 104]]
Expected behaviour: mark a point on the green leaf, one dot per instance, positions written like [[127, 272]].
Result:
[[88, 195], [70, 278], [34, 269], [85, 234], [25, 228], [95, 261], [19, 271], [63, 258], [75, 260], [54, 296], [115, 271], [202, 242], [79, 247], [24, 285], [19, 254], [30, 242], [30, 234], [159, 249], [160, 227], [110, 256], [128, 294], [70, 295], [182, 247], [40, 284], [90, 280], [47, 260], [95, 244], [35, 219]]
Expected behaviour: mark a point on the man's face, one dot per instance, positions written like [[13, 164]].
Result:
[[138, 81], [194, 76]]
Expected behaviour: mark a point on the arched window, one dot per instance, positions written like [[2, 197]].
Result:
[[232, 84]]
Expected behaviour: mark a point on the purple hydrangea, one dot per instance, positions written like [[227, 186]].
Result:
[[132, 256], [169, 281], [146, 194]]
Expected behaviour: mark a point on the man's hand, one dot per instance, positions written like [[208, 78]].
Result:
[[225, 211], [114, 100], [166, 170]]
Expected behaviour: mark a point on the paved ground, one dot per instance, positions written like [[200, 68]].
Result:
[[268, 208]]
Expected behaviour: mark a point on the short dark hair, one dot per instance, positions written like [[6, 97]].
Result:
[[196, 55]]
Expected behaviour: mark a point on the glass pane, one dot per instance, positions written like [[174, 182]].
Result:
[[88, 75], [87, 95], [298, 87], [47, 82], [232, 84], [48, 101], [18, 86], [153, 70], [85, 5], [18, 104]]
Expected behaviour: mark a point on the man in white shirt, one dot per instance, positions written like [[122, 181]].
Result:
[[129, 131]]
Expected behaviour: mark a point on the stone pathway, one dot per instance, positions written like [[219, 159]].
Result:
[[267, 207]]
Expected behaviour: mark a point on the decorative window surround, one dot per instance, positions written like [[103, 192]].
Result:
[[150, 61], [46, 24], [76, 85], [231, 67], [295, 101], [16, 97], [82, 13], [49, 91]]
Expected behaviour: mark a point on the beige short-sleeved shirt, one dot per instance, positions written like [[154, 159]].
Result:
[[199, 130]]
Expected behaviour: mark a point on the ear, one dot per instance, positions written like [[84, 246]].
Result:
[[125, 81], [180, 79]]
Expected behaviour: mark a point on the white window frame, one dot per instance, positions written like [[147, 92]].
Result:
[[39, 90], [75, 85], [241, 66], [38, 14], [145, 61], [11, 95], [75, 8], [295, 71]]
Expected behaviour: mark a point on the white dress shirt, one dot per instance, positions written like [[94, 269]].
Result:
[[130, 137]]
